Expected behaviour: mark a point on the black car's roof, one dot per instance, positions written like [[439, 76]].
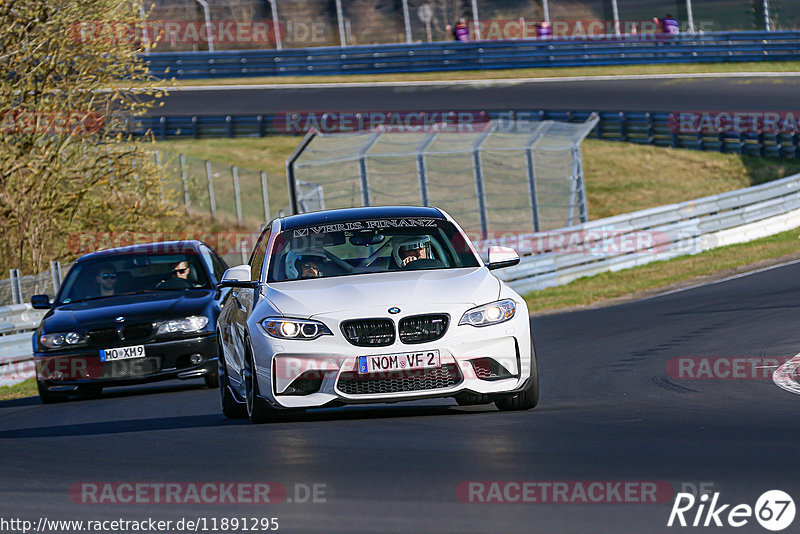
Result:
[[161, 247], [355, 214]]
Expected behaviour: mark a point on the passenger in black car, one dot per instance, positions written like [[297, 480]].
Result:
[[106, 280]]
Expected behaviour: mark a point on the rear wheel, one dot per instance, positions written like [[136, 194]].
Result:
[[230, 408], [526, 398], [47, 397]]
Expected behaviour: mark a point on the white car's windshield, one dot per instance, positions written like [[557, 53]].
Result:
[[368, 246]]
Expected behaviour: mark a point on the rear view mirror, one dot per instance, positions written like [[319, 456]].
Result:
[[500, 257], [366, 239], [41, 302], [238, 276]]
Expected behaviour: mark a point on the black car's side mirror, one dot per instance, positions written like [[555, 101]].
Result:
[[41, 302]]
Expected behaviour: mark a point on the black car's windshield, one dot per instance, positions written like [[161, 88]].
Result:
[[368, 246], [124, 274]]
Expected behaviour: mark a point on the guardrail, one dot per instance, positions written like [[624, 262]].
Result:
[[659, 233], [452, 55], [649, 128], [16, 351]]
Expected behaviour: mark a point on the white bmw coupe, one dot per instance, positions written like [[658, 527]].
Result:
[[371, 305]]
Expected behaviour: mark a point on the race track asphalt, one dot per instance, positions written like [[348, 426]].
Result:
[[609, 411], [665, 95]]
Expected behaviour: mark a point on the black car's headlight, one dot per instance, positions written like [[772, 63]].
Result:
[[184, 325], [294, 328], [62, 340], [489, 314]]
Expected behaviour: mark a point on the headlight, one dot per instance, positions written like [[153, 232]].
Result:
[[60, 341], [489, 314], [294, 328], [185, 325]]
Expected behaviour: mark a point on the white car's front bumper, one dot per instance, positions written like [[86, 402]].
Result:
[[484, 360]]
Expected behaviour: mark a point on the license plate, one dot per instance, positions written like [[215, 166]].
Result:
[[122, 353], [404, 361]]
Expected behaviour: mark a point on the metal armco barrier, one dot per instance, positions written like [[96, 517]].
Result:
[[667, 232], [447, 56], [656, 128], [16, 350]]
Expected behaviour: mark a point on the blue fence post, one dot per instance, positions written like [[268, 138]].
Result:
[[162, 122], [229, 124], [260, 120], [195, 132], [623, 126]]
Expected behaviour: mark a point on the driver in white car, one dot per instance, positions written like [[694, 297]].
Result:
[[408, 249]]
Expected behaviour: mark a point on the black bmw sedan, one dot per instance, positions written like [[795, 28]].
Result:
[[130, 315]]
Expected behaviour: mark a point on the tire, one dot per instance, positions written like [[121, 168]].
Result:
[[230, 408], [212, 380], [472, 399], [47, 397], [91, 391], [257, 410], [526, 398]]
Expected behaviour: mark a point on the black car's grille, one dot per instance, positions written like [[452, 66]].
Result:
[[422, 328], [137, 332], [103, 337], [369, 332], [353, 383], [131, 368]]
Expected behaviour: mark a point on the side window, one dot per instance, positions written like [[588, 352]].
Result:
[[257, 257], [213, 262]]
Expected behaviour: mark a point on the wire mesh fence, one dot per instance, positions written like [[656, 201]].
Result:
[[227, 193], [247, 24], [505, 175]]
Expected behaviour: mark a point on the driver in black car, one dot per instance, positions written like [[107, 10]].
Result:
[[179, 277]]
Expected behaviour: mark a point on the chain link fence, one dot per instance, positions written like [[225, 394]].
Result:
[[227, 193], [507, 175], [311, 23]]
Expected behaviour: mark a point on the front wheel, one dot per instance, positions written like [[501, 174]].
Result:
[[230, 408], [528, 397], [257, 409], [47, 397]]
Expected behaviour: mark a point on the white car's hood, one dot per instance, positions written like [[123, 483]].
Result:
[[306, 298]]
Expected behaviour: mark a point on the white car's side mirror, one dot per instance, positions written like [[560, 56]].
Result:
[[500, 257], [238, 276]]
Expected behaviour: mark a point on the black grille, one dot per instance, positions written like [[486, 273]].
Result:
[[422, 328], [103, 337], [353, 383], [137, 332], [369, 332], [131, 368]]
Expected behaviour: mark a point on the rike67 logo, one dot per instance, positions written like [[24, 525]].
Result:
[[774, 510]]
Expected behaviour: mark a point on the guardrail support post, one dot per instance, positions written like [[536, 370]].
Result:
[[363, 173], [237, 194], [534, 198], [265, 195], [422, 169], [211, 200], [55, 274], [16, 287], [580, 185], [185, 181], [480, 189]]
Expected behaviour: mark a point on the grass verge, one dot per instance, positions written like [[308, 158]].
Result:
[[501, 74], [658, 277], [18, 391]]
